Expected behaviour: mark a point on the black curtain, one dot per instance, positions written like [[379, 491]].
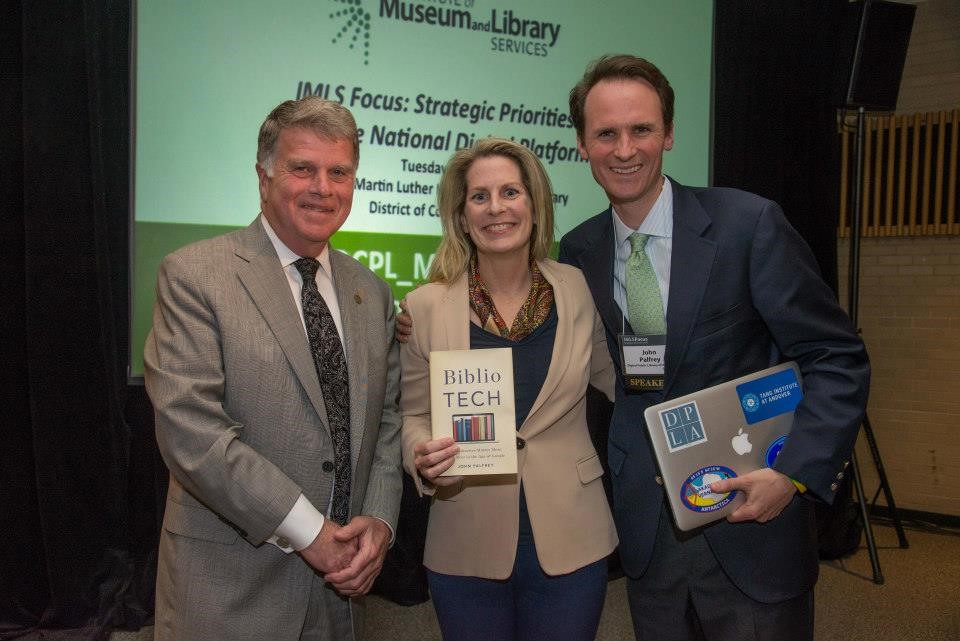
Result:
[[80, 482], [775, 128]]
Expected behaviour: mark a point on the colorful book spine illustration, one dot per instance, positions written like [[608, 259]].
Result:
[[469, 428]]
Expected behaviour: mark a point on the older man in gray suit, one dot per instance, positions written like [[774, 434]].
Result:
[[284, 460]]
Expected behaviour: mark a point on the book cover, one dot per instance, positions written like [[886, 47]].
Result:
[[471, 399]]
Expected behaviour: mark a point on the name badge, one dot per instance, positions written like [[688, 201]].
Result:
[[642, 357]]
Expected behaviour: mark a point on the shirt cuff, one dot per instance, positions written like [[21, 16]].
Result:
[[393, 535], [299, 528]]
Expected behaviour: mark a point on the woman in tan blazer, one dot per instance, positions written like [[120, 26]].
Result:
[[519, 556]]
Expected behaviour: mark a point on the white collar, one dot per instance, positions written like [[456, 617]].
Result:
[[658, 222], [287, 255]]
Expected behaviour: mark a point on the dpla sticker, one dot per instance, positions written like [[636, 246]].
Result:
[[682, 426]]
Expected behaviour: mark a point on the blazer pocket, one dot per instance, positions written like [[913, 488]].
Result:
[[721, 321], [589, 469], [198, 523]]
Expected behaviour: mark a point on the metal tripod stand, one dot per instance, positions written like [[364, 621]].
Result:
[[854, 296]]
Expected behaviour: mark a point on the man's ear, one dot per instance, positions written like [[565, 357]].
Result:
[[581, 149], [262, 178]]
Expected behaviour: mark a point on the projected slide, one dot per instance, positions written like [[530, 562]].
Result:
[[422, 77]]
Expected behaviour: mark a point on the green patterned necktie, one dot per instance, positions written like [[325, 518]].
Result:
[[644, 305]]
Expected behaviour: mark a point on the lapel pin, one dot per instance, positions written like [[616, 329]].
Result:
[[357, 298]]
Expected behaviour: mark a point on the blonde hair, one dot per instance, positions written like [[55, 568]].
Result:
[[453, 255]]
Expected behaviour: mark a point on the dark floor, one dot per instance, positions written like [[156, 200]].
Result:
[[918, 599]]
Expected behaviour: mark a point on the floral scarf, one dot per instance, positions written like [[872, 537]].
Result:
[[533, 312]]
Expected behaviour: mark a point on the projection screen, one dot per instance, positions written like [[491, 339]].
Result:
[[422, 78]]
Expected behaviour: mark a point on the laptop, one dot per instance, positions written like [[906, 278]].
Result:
[[721, 432]]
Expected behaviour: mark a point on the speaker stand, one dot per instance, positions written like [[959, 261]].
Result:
[[853, 300]]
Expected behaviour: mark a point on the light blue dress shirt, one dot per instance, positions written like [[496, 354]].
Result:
[[658, 225]]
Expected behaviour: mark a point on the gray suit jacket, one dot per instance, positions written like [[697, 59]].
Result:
[[241, 424]]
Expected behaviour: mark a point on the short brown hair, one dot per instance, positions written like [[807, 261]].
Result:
[[326, 118], [620, 67], [455, 250]]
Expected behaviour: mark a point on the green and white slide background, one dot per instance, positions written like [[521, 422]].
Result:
[[208, 73]]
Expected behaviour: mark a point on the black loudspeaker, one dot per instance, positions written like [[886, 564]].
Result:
[[872, 54]]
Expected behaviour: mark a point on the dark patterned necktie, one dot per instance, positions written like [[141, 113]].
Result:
[[328, 358]]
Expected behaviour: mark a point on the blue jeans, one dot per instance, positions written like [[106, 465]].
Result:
[[528, 606]]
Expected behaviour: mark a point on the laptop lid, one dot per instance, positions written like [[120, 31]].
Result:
[[721, 432]]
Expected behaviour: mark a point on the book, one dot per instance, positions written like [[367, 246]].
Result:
[[472, 400]]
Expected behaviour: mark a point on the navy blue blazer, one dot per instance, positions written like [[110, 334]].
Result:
[[745, 293]]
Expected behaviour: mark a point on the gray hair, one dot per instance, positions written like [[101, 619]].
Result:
[[326, 118]]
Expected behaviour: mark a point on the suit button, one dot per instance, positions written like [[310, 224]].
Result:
[[833, 487], [327, 466], [658, 479], [839, 476], [521, 443], [846, 464]]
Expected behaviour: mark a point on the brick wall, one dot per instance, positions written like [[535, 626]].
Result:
[[931, 71], [909, 312]]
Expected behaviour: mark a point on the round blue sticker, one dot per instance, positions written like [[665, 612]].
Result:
[[774, 450], [695, 492], [750, 402]]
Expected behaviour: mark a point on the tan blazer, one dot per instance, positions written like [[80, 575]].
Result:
[[473, 527]]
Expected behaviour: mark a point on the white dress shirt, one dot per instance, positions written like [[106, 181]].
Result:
[[302, 524]]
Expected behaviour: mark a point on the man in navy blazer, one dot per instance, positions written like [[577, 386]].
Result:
[[741, 291]]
